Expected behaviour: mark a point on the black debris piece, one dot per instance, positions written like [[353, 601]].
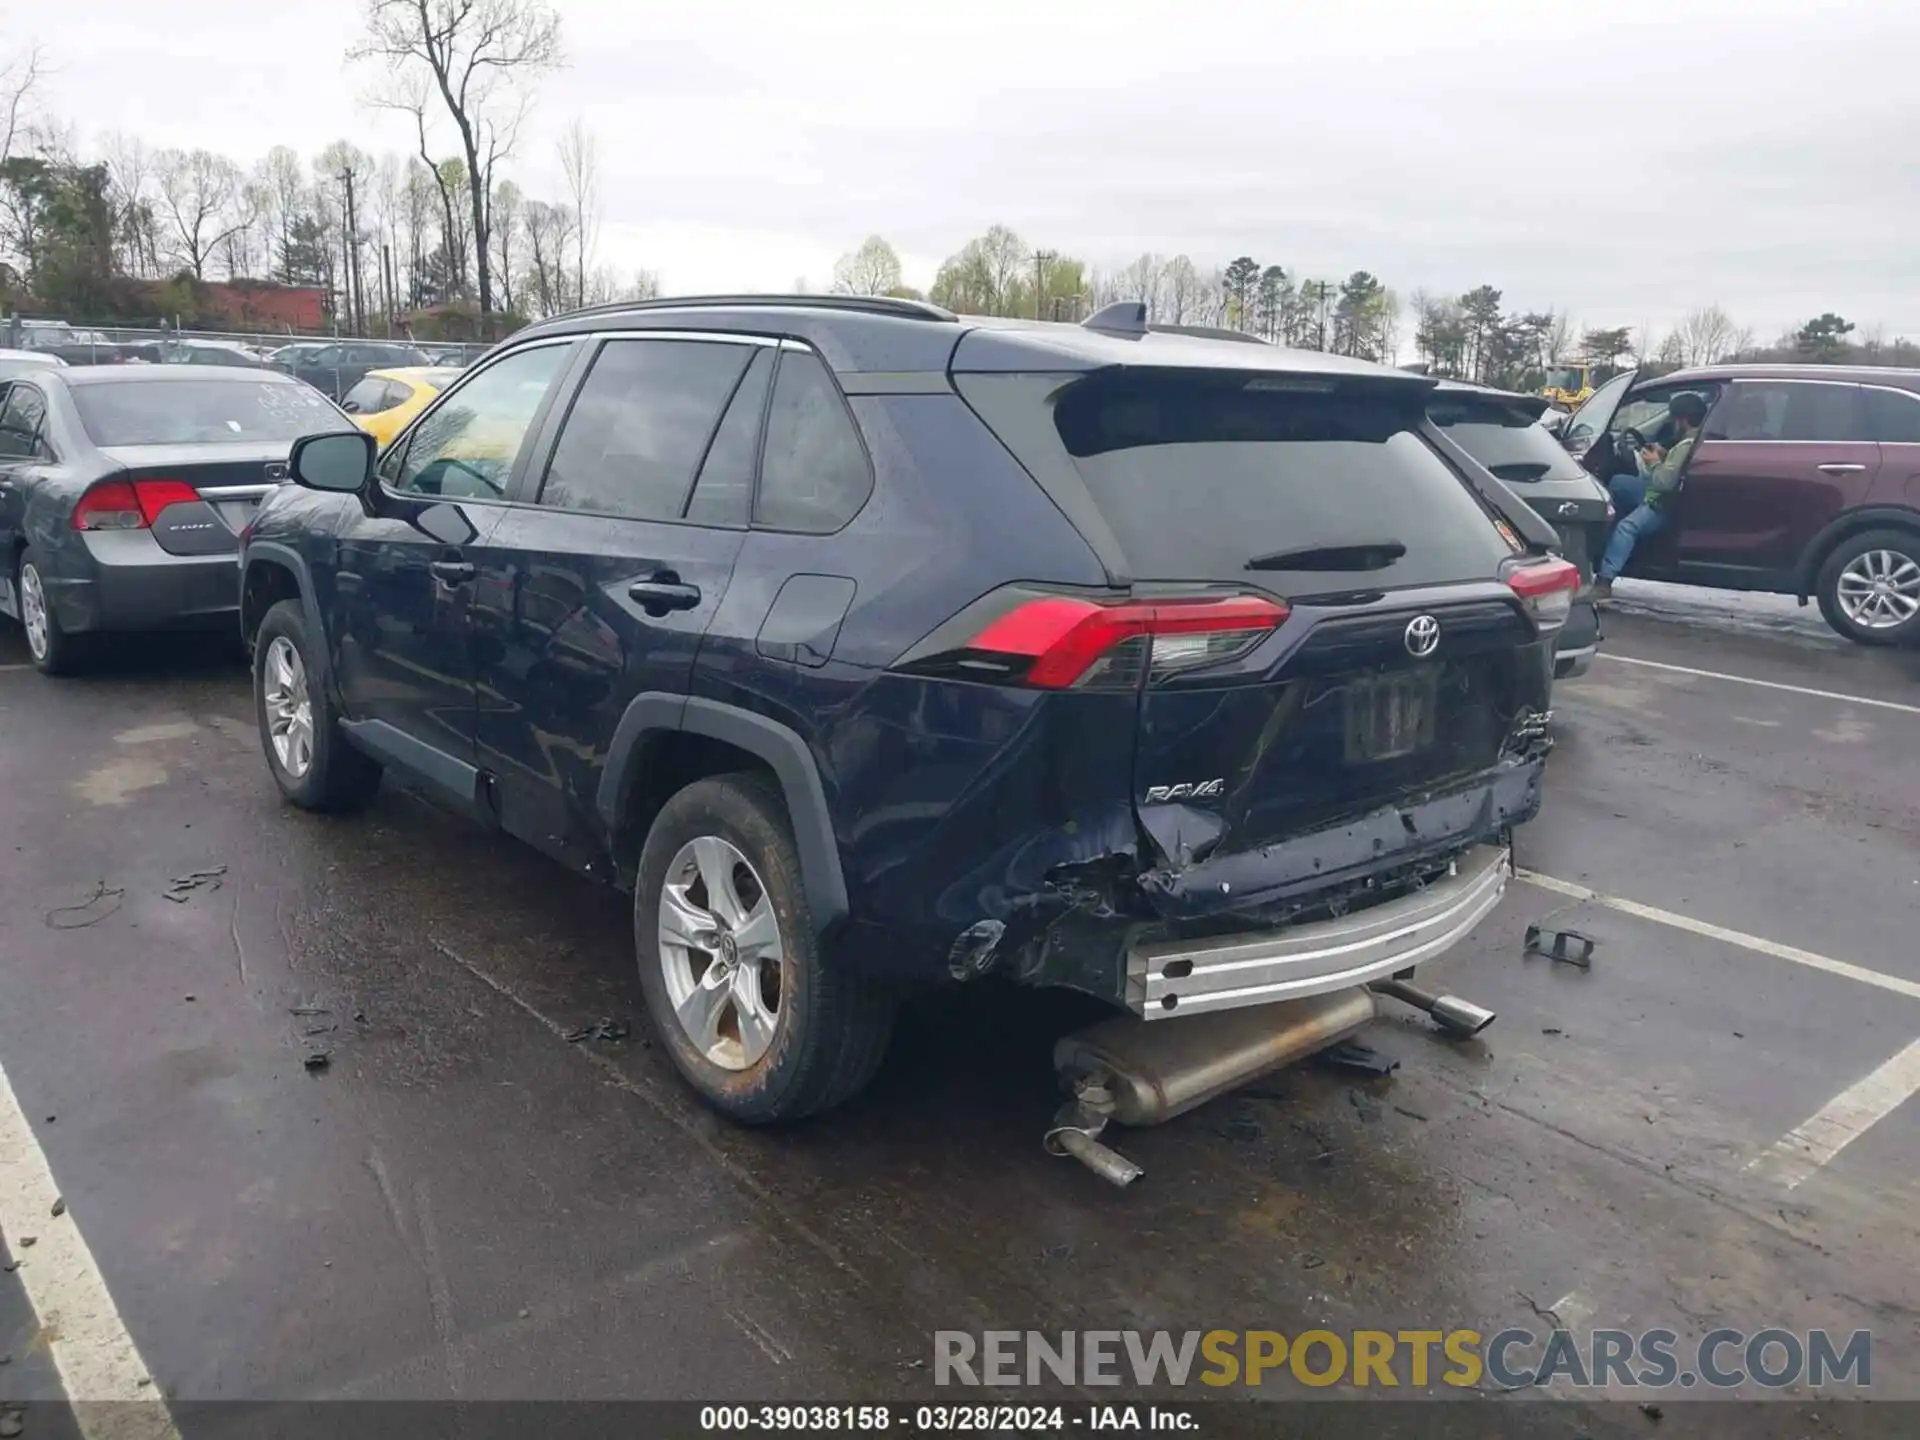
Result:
[[1366, 1105], [308, 1010], [1349, 1056], [9, 1266], [1410, 1114], [188, 998], [602, 1029], [326, 1029], [1551, 1030], [27, 1242], [1652, 1412], [1311, 1262], [317, 1060], [59, 1207], [1569, 947], [181, 886]]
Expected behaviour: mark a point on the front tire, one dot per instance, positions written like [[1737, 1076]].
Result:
[[753, 1015], [309, 758], [1869, 588], [52, 650]]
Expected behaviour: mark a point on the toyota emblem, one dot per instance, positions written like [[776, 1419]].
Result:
[[1423, 636]]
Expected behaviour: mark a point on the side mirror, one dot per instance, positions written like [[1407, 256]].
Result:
[[342, 462]]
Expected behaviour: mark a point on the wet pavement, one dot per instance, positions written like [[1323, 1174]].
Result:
[[464, 1203]]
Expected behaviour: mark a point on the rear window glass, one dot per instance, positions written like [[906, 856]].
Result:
[[1508, 442], [1204, 480], [202, 412]]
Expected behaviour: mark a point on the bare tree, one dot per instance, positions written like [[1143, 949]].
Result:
[[580, 164], [476, 52], [1184, 292], [873, 269], [1142, 281], [200, 195], [507, 204], [18, 79], [1702, 337], [549, 232], [412, 95]]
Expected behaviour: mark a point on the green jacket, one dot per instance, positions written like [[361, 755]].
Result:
[[1663, 479]]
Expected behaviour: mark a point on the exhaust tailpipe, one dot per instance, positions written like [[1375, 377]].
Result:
[[1452, 1014], [1153, 1072]]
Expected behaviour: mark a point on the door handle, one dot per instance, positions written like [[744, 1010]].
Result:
[[452, 572], [662, 592], [1838, 467]]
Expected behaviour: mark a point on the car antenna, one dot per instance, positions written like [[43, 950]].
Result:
[[1123, 317]]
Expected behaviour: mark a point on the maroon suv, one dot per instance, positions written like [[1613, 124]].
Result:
[[1805, 481]]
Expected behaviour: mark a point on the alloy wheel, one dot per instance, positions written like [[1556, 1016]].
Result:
[[721, 953], [1879, 589], [289, 708], [33, 611]]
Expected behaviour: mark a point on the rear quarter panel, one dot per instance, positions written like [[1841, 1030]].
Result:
[[936, 787]]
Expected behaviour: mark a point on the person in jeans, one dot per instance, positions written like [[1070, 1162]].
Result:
[[1643, 497]]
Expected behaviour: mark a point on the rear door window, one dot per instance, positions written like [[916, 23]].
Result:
[[641, 423], [369, 397], [1508, 441], [814, 477], [1791, 410], [1210, 478], [22, 415], [1893, 416], [724, 494]]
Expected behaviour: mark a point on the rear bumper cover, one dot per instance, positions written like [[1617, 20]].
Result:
[[1171, 978], [125, 581]]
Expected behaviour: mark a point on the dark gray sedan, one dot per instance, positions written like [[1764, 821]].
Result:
[[123, 489]]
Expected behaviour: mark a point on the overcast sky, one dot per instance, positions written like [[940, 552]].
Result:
[[1761, 154]]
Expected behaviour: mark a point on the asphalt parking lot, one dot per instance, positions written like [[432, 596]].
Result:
[[1709, 1127]]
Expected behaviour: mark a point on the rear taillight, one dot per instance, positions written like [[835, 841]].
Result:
[[129, 504], [1067, 642], [1547, 588]]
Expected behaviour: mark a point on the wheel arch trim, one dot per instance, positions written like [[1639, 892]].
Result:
[[1837, 531], [782, 750]]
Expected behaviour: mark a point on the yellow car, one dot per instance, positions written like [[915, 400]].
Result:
[[383, 402]]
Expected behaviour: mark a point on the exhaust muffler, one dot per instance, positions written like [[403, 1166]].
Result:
[[1452, 1014], [1145, 1074]]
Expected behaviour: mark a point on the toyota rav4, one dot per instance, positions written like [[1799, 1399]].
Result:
[[868, 645]]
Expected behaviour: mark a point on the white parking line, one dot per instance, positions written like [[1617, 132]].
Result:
[[16, 667], [100, 1367], [1762, 684], [1797, 956], [1842, 1120]]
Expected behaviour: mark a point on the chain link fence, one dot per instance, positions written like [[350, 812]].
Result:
[[82, 343]]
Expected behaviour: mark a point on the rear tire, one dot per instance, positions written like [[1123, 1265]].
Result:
[[825, 1032], [52, 650], [311, 761], [1869, 587]]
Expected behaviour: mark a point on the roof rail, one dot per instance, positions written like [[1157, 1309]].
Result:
[[1208, 332], [1123, 317], [860, 304]]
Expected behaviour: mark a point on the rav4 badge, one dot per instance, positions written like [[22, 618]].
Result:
[[1194, 790]]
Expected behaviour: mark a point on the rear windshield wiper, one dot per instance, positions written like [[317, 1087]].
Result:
[[1522, 470], [1370, 555]]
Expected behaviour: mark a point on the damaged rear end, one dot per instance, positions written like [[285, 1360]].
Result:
[[1333, 655]]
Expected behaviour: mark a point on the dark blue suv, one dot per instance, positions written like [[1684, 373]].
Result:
[[872, 646]]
